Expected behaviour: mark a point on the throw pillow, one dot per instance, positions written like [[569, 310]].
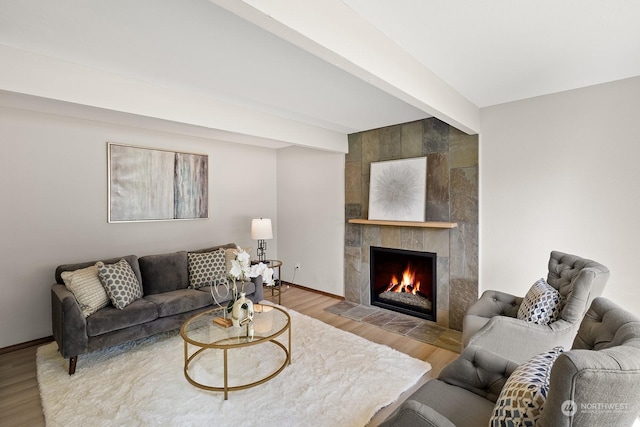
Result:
[[230, 255], [206, 268], [87, 289], [541, 305], [120, 282], [523, 395]]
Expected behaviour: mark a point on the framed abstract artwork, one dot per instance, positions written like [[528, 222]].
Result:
[[398, 190], [148, 184]]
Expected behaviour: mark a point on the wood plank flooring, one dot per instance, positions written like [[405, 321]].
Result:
[[19, 395], [20, 398]]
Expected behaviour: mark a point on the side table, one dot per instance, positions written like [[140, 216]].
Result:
[[274, 263]]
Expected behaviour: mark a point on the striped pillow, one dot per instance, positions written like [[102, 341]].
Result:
[[87, 289]]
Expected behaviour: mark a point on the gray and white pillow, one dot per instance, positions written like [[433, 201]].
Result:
[[120, 283], [523, 395], [207, 268], [541, 304], [87, 289]]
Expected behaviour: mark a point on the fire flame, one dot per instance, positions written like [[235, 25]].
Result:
[[408, 283]]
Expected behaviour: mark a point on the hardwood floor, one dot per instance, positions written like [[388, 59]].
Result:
[[313, 304], [20, 398], [19, 395]]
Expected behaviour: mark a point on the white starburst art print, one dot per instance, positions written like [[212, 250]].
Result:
[[397, 190]]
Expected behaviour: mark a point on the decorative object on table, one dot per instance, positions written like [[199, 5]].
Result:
[[398, 190], [239, 270], [225, 322], [264, 270], [275, 282], [242, 312], [222, 290], [242, 270], [147, 184], [261, 231]]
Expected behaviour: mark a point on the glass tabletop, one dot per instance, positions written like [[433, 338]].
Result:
[[268, 323]]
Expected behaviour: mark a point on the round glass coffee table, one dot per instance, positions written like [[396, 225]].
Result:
[[205, 335]]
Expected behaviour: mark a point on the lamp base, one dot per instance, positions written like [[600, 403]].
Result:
[[262, 250]]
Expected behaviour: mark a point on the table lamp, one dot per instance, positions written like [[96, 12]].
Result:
[[261, 231]]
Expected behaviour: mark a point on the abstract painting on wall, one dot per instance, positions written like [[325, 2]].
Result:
[[397, 191], [147, 184]]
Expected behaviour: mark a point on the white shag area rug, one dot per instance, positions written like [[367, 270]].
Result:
[[335, 379]]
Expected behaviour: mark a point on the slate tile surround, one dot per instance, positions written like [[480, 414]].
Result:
[[416, 328], [452, 195]]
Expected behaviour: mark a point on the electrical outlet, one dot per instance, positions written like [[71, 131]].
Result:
[[297, 266]]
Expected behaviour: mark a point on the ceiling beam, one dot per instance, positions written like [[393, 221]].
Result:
[[54, 79], [334, 32]]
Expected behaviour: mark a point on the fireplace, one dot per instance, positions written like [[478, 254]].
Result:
[[404, 281]]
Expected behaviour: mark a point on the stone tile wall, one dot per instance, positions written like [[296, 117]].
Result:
[[452, 195]]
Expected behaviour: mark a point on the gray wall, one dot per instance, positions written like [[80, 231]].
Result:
[[561, 172], [311, 217], [53, 171]]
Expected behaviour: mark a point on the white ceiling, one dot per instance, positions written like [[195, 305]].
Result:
[[497, 51], [490, 51]]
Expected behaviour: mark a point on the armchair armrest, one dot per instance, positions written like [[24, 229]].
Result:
[[608, 377], [491, 304], [495, 303], [68, 323], [480, 371], [412, 413], [519, 340]]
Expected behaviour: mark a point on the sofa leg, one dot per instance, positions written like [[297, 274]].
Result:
[[72, 365]]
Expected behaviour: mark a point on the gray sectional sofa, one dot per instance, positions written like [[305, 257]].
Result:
[[166, 303]]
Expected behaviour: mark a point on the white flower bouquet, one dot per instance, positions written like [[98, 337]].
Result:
[[241, 269]]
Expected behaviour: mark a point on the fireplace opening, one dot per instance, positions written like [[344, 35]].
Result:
[[404, 281]]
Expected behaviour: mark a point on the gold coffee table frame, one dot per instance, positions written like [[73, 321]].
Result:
[[233, 338]]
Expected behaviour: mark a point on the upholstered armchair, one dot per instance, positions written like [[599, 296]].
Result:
[[492, 323], [464, 393], [596, 383], [601, 373]]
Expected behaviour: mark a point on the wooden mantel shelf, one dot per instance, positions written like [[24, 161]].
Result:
[[428, 224]]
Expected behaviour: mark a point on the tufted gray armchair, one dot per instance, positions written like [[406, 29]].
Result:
[[601, 373], [491, 322], [595, 384]]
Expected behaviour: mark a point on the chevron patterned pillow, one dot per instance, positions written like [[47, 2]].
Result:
[[523, 395], [541, 305]]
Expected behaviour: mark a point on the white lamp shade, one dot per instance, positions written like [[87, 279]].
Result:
[[261, 229]]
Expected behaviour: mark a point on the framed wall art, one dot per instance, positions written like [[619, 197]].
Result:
[[148, 184], [398, 189]]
